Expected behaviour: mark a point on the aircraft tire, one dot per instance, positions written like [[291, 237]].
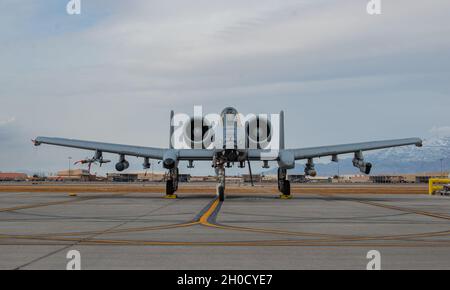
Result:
[[221, 193], [169, 187], [287, 188]]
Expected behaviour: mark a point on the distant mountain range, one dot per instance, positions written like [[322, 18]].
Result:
[[394, 160]]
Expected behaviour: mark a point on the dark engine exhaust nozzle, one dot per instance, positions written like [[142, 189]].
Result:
[[197, 133], [259, 132]]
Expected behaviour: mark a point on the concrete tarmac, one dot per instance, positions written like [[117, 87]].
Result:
[[247, 231]]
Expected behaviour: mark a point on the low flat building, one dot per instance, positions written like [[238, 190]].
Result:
[[73, 175], [184, 177], [234, 179], [270, 178], [12, 176], [203, 179], [151, 177], [407, 178], [425, 177], [319, 179], [143, 177], [388, 179], [297, 178], [356, 178], [256, 178], [122, 177], [197, 179]]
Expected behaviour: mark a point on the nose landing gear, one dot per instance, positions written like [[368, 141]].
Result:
[[220, 171]]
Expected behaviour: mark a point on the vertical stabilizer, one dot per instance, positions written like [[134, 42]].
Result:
[[282, 144]]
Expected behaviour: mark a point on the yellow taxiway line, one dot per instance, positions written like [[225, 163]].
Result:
[[205, 217], [419, 212], [42, 204], [55, 203], [204, 220]]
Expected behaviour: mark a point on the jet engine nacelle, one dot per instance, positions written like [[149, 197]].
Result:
[[197, 133], [259, 132], [122, 165]]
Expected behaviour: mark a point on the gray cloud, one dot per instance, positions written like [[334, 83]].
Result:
[[114, 72], [440, 131], [5, 122]]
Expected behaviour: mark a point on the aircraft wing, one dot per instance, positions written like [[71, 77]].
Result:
[[138, 151], [313, 152], [203, 154]]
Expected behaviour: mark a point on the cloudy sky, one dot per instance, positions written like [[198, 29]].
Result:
[[114, 72]]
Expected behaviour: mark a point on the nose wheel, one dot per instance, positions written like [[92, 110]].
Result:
[[221, 192]]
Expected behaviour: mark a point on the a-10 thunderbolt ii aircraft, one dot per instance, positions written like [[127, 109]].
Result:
[[227, 139]]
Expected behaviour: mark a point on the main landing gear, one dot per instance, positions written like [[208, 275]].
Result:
[[172, 183], [284, 185]]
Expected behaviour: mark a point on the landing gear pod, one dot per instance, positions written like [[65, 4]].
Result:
[[358, 162], [368, 168], [310, 169], [123, 164], [170, 159]]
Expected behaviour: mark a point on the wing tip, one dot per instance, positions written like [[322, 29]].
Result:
[[419, 142], [36, 142]]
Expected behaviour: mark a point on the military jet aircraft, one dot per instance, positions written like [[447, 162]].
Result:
[[225, 141]]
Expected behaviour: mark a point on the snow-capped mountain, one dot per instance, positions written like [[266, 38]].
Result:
[[434, 156], [434, 149]]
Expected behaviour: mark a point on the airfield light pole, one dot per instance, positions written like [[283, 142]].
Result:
[[70, 161], [338, 172], [442, 167]]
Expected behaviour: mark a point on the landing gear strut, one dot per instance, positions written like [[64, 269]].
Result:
[[284, 185], [225, 159], [172, 183], [220, 171]]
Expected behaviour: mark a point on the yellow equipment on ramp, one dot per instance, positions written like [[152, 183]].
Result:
[[436, 184]]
